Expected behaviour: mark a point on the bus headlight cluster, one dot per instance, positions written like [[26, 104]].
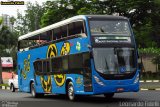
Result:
[[136, 79], [98, 81]]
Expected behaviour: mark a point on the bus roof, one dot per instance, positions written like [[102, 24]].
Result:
[[58, 24]]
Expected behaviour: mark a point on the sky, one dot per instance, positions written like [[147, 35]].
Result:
[[11, 10]]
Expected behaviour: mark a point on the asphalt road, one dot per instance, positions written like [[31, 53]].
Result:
[[131, 99]]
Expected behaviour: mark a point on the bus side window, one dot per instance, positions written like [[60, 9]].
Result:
[[75, 61], [71, 29], [38, 66], [24, 45], [64, 31], [57, 33], [86, 60], [65, 63], [56, 64], [46, 67], [76, 28], [53, 35], [79, 27], [49, 36]]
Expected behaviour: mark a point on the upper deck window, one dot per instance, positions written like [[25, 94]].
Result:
[[61, 33], [76, 28], [110, 27]]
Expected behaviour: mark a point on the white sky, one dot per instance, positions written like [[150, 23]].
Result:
[[11, 10]]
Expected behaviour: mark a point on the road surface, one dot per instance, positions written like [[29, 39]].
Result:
[[134, 99]]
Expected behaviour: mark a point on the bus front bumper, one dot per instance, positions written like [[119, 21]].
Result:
[[116, 88]]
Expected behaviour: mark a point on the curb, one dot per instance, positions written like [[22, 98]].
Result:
[[149, 81], [146, 89], [4, 88]]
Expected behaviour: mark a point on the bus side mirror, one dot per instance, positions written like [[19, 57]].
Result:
[[89, 46]]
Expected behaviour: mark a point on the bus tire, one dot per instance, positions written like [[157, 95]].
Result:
[[33, 92], [108, 95], [12, 88], [70, 91]]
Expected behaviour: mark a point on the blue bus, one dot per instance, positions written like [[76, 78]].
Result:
[[82, 55]]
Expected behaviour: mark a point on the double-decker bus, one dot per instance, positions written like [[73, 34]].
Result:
[[82, 55]]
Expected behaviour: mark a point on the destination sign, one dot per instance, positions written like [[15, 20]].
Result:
[[112, 40]]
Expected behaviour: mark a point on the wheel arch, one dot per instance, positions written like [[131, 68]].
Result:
[[31, 81], [67, 81]]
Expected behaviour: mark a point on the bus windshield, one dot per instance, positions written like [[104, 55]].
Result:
[[110, 27], [114, 60]]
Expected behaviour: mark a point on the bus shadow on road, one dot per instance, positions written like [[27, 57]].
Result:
[[89, 99]]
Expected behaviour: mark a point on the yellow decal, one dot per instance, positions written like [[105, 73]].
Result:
[[65, 48], [26, 67], [46, 84], [23, 74], [52, 51], [27, 64], [60, 79]]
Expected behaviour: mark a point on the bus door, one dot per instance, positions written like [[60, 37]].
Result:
[[87, 74]]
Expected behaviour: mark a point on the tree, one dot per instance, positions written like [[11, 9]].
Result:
[[31, 20], [12, 21], [59, 10], [8, 45], [1, 20], [1, 81], [144, 15]]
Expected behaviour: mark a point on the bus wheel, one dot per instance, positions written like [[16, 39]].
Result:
[[109, 95], [70, 91], [33, 92]]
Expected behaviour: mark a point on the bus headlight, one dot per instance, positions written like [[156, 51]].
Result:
[[98, 81], [136, 79]]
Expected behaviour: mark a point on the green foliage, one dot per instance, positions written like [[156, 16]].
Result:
[[31, 20], [12, 20], [144, 16], [143, 35], [6, 85], [1, 20], [151, 51], [8, 42]]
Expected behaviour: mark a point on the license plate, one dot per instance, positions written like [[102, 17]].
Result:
[[120, 89]]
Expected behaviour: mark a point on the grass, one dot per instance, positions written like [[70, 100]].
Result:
[[4, 85]]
